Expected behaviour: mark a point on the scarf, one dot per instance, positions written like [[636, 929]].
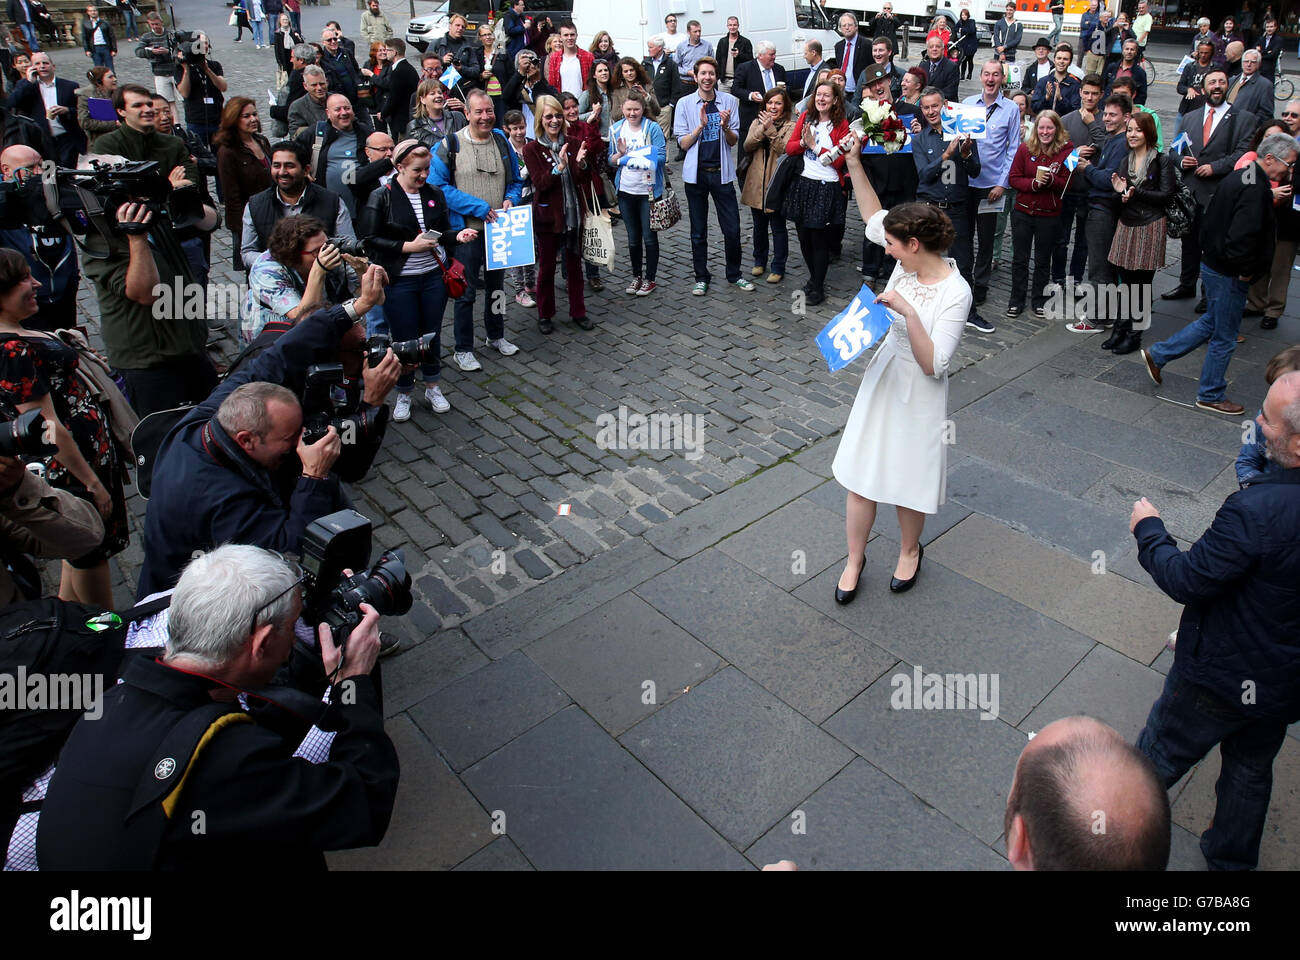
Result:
[[572, 211]]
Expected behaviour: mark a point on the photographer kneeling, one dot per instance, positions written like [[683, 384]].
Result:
[[224, 786], [298, 269], [215, 473]]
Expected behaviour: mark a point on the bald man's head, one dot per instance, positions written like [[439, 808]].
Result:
[[1085, 799], [19, 157]]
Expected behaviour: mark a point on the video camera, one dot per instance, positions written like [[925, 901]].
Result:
[[321, 410], [410, 352], [25, 436], [338, 542], [184, 47]]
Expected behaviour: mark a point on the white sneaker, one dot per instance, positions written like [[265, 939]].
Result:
[[504, 347], [402, 409], [435, 397], [466, 361]]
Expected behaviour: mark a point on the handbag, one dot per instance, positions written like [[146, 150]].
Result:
[[234, 18], [1182, 207], [597, 234], [98, 378], [453, 274], [789, 166], [666, 209]]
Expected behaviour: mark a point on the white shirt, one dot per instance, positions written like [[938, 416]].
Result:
[[1218, 112], [97, 38], [813, 168], [417, 263], [571, 74], [636, 180], [50, 94]]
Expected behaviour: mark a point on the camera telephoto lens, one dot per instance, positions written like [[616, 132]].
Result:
[[25, 436]]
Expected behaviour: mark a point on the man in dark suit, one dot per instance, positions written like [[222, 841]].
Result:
[[812, 55], [52, 102], [1252, 92], [402, 82], [1206, 162], [1234, 675], [853, 53], [941, 71], [754, 80]]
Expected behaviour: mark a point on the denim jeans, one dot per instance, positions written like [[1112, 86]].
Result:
[[129, 16], [29, 31], [709, 184], [780, 239], [414, 307], [1040, 233], [635, 208], [101, 55], [1184, 724], [1054, 35], [1226, 299], [377, 322], [257, 31], [494, 302], [1074, 213]]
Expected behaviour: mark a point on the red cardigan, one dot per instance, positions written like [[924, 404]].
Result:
[[1032, 197], [585, 59], [548, 191], [795, 144]]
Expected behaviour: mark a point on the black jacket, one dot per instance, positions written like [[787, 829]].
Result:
[[308, 139], [666, 79], [467, 56], [396, 84], [343, 73], [513, 92], [1240, 587], [1270, 49], [88, 34], [1151, 197], [387, 222], [296, 89], [240, 502], [967, 37], [861, 55], [17, 129], [1139, 77], [27, 100], [749, 79], [1238, 227], [259, 803], [942, 73], [744, 54], [283, 54]]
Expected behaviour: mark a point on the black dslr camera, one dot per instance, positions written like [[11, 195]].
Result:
[[321, 410], [25, 436], [420, 350], [348, 245], [338, 542]]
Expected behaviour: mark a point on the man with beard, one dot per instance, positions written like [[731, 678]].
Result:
[[290, 195]]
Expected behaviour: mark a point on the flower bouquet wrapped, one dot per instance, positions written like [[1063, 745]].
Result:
[[879, 124]]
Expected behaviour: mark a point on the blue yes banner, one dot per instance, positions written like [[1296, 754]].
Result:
[[856, 328]]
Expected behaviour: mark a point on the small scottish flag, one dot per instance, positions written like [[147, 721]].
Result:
[[449, 78], [1181, 144], [1072, 160]]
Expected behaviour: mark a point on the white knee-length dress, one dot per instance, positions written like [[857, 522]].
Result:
[[894, 448]]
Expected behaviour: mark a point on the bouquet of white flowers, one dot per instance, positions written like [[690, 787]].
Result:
[[879, 124]]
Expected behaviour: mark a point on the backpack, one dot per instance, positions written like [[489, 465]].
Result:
[[147, 437], [47, 637], [1182, 206]]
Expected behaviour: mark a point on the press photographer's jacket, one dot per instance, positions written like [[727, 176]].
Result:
[[206, 490]]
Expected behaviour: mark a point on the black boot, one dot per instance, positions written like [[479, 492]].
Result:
[[1115, 335], [1129, 342]]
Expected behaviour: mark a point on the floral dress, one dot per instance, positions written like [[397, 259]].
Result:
[[30, 368]]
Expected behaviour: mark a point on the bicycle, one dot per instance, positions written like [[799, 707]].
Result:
[[1149, 68], [1283, 89]]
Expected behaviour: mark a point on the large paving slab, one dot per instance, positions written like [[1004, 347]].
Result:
[[957, 760], [1043, 460], [1133, 619], [470, 718], [740, 757], [604, 659], [573, 799], [499, 855], [863, 820], [427, 792], [798, 654], [790, 545], [1106, 685], [950, 624], [411, 675]]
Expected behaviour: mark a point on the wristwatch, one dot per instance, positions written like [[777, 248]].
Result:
[[350, 308]]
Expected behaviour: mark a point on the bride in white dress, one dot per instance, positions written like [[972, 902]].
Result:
[[895, 444]]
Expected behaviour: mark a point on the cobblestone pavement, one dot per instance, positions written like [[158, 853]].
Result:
[[530, 539]]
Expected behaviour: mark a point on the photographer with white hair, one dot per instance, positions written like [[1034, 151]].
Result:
[[177, 775]]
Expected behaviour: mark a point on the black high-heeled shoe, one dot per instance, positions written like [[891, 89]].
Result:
[[902, 586], [846, 596]]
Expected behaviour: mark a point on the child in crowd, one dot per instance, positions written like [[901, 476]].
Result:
[[524, 278]]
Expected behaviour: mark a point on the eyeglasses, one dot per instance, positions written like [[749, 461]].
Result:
[[1290, 113], [302, 575], [1286, 163]]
